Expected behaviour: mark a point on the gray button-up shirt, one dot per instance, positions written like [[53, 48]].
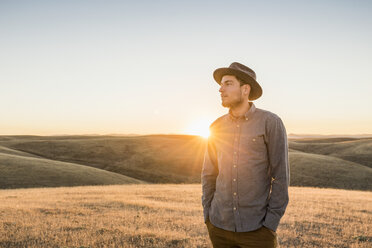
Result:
[[245, 175]]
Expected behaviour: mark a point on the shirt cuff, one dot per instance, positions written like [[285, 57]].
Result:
[[271, 221]]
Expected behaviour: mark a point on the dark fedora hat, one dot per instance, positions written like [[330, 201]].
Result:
[[243, 72]]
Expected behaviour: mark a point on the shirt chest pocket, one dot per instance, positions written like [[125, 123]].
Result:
[[253, 146]]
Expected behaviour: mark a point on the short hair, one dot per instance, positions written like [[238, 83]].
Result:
[[242, 82]]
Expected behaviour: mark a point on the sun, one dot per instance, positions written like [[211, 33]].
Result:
[[200, 128]]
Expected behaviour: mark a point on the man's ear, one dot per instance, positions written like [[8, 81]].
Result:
[[247, 89]]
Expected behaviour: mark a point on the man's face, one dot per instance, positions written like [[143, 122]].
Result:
[[232, 94]]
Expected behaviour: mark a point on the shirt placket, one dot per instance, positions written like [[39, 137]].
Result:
[[237, 129]]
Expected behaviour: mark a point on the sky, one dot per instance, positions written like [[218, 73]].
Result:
[[145, 67]]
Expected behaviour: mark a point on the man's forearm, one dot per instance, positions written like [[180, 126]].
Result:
[[208, 178], [277, 204], [209, 187], [279, 170]]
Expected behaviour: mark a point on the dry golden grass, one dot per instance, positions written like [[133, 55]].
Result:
[[168, 216]]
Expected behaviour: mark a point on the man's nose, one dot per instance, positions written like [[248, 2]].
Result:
[[221, 88]]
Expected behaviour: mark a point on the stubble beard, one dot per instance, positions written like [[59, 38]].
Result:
[[234, 104]]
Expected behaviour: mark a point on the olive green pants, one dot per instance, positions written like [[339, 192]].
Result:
[[263, 237]]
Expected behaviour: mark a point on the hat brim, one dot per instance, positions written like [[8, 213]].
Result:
[[256, 90]]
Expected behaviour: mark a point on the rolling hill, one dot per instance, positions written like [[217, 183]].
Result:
[[19, 171], [355, 150], [328, 172], [154, 158], [338, 163]]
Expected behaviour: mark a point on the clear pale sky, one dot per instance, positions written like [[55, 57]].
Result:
[[103, 67]]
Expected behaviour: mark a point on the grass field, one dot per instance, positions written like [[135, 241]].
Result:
[[168, 216]]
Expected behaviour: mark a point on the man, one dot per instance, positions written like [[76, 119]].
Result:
[[245, 175]]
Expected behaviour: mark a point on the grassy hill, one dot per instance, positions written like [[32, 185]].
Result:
[[154, 158], [328, 172], [336, 163], [6, 150], [20, 171], [355, 150], [169, 216]]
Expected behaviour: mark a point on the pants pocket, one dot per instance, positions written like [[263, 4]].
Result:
[[269, 231]]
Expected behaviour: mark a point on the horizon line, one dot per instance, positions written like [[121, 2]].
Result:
[[146, 134]]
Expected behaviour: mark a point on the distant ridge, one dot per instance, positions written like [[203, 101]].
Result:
[[290, 135], [321, 136]]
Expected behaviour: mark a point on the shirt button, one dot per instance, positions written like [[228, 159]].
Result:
[[254, 139], [237, 125], [234, 165], [246, 119], [234, 152], [234, 208], [234, 179], [234, 193]]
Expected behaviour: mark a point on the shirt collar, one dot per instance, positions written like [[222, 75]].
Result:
[[247, 115]]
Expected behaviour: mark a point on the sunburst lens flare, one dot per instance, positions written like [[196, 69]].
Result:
[[200, 128]]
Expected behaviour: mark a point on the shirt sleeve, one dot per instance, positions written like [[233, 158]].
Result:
[[209, 175], [277, 146]]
